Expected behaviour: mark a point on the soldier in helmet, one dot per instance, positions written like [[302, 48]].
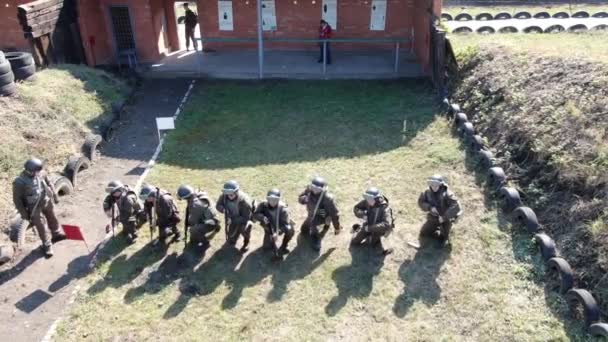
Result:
[[442, 208], [161, 211], [322, 210], [378, 219], [201, 217], [34, 197], [237, 209], [129, 207], [274, 218]]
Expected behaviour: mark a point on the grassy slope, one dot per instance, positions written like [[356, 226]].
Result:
[[280, 134], [49, 118]]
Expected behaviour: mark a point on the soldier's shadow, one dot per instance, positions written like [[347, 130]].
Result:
[[256, 266], [209, 275], [420, 277], [298, 264], [357, 279]]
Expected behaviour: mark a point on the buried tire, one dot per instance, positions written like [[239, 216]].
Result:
[[508, 29], [8, 89], [600, 28], [526, 217], [76, 164], [19, 59], [578, 28], [486, 30], [509, 198], [533, 29], [18, 229], [91, 143], [446, 17], [561, 15], [463, 17], [476, 143], [542, 15], [503, 16], [484, 16], [555, 29], [7, 78], [546, 246], [581, 297], [563, 270], [496, 177], [462, 29], [25, 73], [486, 158], [581, 14], [600, 15], [63, 186], [460, 118], [599, 329], [5, 67], [522, 15], [466, 130]]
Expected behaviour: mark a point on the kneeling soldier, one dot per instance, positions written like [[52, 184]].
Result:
[[161, 211], [378, 219], [442, 207], [237, 209], [201, 217], [274, 218], [322, 210], [130, 209]]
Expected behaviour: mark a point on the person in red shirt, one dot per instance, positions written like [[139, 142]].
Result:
[[324, 33]]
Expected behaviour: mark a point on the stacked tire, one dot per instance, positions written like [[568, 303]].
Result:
[[7, 79], [22, 65]]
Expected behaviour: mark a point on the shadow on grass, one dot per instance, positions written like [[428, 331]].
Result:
[[357, 279], [256, 266], [278, 122], [420, 277], [525, 250]]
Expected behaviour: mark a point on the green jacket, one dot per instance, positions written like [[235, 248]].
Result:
[[28, 190], [163, 209], [277, 222], [244, 208], [128, 206], [377, 216], [327, 207], [444, 200], [200, 209]]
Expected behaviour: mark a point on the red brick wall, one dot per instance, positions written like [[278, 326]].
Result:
[[11, 33]]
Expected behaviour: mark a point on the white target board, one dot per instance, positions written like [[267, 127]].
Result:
[[378, 19], [269, 15], [329, 13], [225, 15]]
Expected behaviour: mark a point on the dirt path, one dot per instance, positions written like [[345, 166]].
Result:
[[34, 291]]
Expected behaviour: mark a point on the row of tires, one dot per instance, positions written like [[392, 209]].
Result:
[[531, 29], [15, 66], [64, 182], [522, 216], [521, 15]]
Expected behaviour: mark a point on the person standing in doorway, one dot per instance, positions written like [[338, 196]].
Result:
[[190, 21], [324, 33]]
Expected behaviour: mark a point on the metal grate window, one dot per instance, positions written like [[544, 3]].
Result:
[[123, 32]]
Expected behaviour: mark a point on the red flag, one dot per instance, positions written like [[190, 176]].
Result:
[[73, 233]]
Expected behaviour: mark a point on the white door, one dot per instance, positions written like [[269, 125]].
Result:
[[329, 13], [378, 19], [225, 15], [269, 15]]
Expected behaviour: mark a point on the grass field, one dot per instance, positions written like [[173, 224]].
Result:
[[487, 287]]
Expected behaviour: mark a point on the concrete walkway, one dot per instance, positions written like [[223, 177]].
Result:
[[522, 24], [286, 64]]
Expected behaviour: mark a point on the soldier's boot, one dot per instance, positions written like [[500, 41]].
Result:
[[267, 245], [177, 236], [316, 242], [57, 236], [48, 251], [245, 244]]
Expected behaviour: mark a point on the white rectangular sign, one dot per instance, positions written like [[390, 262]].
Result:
[[378, 19], [164, 123], [329, 13], [225, 15], [269, 15]]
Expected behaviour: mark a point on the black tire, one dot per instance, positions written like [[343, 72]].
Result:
[[578, 28], [462, 29], [533, 29], [586, 300], [600, 28], [561, 15], [503, 16], [446, 16], [25, 73], [599, 329], [6, 78], [542, 15], [600, 15], [522, 15], [18, 230], [5, 67], [63, 186], [555, 29], [486, 30], [76, 164], [466, 130], [546, 246], [476, 143], [564, 271], [8, 89], [509, 198], [508, 29], [454, 108], [460, 118], [581, 14], [463, 17], [484, 16], [19, 59], [107, 130], [526, 217], [496, 177], [91, 143], [486, 158]]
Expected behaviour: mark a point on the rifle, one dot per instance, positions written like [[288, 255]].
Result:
[[155, 212], [113, 219], [274, 233], [186, 224], [225, 216]]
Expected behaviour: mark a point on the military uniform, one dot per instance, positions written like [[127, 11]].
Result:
[[238, 213], [202, 218], [278, 223], [129, 211], [33, 197], [322, 210], [164, 213], [378, 221], [447, 206]]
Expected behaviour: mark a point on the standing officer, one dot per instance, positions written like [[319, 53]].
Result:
[[237, 208], [161, 211], [130, 209], [378, 219], [442, 208], [274, 218], [201, 217], [322, 210]]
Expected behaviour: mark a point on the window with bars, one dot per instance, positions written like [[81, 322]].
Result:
[[123, 32]]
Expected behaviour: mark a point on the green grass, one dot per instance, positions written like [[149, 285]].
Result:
[[474, 10], [486, 288]]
